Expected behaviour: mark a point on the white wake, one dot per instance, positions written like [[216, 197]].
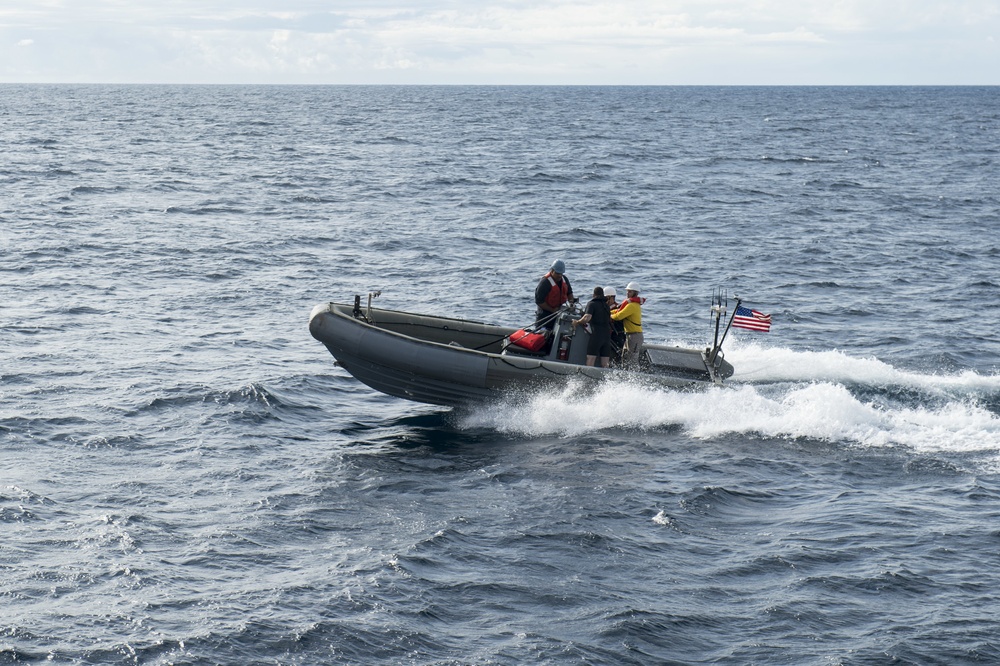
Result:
[[777, 393]]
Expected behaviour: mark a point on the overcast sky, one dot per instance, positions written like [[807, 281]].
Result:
[[659, 42]]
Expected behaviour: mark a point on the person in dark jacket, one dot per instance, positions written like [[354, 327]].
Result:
[[552, 292], [598, 315]]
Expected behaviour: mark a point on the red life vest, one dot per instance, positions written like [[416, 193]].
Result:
[[634, 299], [558, 294]]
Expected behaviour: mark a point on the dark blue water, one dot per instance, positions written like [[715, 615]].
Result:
[[187, 478]]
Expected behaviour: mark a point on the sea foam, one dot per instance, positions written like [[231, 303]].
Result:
[[827, 396]]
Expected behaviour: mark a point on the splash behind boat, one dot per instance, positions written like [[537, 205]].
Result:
[[446, 361]]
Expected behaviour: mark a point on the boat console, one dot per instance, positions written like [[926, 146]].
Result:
[[565, 344]]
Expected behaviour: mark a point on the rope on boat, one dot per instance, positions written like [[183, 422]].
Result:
[[542, 365], [534, 327]]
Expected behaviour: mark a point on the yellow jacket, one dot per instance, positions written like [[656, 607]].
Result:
[[630, 314]]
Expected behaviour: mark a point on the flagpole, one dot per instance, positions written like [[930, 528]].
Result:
[[717, 302], [718, 345]]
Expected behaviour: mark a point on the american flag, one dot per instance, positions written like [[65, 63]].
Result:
[[755, 321]]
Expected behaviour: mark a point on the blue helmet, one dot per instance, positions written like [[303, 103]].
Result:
[[558, 266]]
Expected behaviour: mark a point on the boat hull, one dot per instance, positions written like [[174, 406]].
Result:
[[454, 362]]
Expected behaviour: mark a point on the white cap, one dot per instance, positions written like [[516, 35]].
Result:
[[610, 291], [632, 286]]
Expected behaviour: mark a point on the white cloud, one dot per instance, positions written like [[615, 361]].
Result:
[[503, 41]]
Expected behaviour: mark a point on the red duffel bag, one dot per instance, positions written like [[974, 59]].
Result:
[[527, 340]]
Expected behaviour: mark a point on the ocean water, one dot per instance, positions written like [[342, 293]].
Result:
[[186, 477]]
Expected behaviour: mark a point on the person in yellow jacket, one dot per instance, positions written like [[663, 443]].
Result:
[[629, 313]]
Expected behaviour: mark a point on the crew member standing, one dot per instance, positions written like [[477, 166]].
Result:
[[552, 292], [598, 315], [617, 328], [629, 313]]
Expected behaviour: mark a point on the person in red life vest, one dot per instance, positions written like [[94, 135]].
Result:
[[598, 315], [629, 313], [552, 292]]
